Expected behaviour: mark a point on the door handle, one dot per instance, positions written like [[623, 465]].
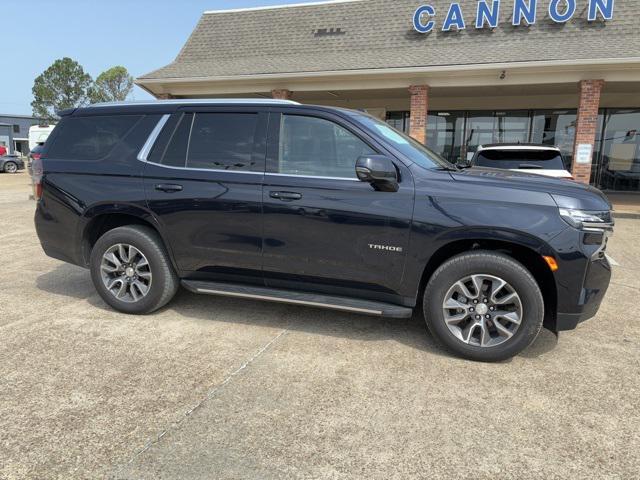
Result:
[[169, 187], [286, 196]]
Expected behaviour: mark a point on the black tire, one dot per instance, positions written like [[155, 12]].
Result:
[[498, 265], [164, 283], [11, 167]]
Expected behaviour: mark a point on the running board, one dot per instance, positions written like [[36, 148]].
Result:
[[346, 304]]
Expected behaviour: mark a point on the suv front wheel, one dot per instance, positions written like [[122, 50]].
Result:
[[131, 270], [484, 306]]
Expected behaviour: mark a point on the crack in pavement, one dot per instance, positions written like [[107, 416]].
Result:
[[174, 426], [625, 285]]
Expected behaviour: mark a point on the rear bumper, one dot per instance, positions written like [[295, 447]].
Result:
[[56, 231]]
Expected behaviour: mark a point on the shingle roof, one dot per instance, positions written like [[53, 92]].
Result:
[[379, 34]]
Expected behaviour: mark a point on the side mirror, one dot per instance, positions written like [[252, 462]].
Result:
[[379, 171]]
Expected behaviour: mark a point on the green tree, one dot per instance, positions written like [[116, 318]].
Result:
[[63, 85], [112, 85]]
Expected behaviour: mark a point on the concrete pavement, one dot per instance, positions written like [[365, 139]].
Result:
[[226, 388]]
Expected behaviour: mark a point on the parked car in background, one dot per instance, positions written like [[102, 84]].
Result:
[[539, 159], [11, 163], [317, 206]]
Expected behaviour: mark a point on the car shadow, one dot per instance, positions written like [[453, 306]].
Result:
[[75, 282]]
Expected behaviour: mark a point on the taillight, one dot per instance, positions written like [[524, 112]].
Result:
[[36, 156], [37, 171]]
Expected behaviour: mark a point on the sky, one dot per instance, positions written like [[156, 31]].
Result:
[[141, 35]]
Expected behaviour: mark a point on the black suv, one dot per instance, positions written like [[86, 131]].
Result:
[[317, 206]]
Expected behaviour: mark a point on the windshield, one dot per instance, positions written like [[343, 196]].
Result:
[[521, 159], [414, 150]]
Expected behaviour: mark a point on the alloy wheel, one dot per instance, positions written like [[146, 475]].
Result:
[[126, 273], [482, 310]]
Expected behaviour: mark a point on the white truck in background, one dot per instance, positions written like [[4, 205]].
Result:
[[38, 134]]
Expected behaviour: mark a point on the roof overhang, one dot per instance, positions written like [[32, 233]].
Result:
[[491, 74]]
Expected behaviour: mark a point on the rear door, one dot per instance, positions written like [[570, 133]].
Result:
[[324, 229], [203, 182]]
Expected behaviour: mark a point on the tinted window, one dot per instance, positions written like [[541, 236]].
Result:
[[222, 141], [520, 159], [90, 138], [175, 154], [319, 148]]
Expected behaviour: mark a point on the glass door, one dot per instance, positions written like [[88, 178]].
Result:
[[620, 157], [445, 132], [480, 131], [556, 128], [512, 126]]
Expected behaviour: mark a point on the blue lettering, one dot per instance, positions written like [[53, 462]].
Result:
[[605, 7], [524, 9], [454, 17], [558, 17], [418, 23], [488, 14]]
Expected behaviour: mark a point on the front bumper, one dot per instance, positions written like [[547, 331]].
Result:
[[583, 277], [591, 296]]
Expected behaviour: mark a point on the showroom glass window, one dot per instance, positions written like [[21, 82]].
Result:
[[556, 128], [512, 126], [620, 157], [445, 132]]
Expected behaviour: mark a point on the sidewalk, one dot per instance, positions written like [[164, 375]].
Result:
[[625, 205]]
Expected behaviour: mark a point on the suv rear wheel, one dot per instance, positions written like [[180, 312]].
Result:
[[484, 306], [131, 270]]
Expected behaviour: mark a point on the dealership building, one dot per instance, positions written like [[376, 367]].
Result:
[[454, 75]]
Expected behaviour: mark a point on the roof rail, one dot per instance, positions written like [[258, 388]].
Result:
[[208, 101]]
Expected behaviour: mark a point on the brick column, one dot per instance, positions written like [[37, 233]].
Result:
[[419, 109], [586, 125], [282, 94], [164, 96]]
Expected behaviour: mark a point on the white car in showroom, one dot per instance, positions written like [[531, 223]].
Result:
[[539, 159]]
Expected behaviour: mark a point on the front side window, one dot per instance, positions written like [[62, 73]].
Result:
[[316, 147]]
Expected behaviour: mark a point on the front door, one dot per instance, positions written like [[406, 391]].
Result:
[[324, 230], [203, 182]]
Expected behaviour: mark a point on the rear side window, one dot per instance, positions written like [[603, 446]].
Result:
[[222, 141], [211, 141], [521, 159], [317, 147], [90, 138]]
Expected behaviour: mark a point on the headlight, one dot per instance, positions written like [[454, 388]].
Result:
[[587, 220]]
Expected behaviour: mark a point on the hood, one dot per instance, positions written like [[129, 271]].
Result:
[[566, 193]]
